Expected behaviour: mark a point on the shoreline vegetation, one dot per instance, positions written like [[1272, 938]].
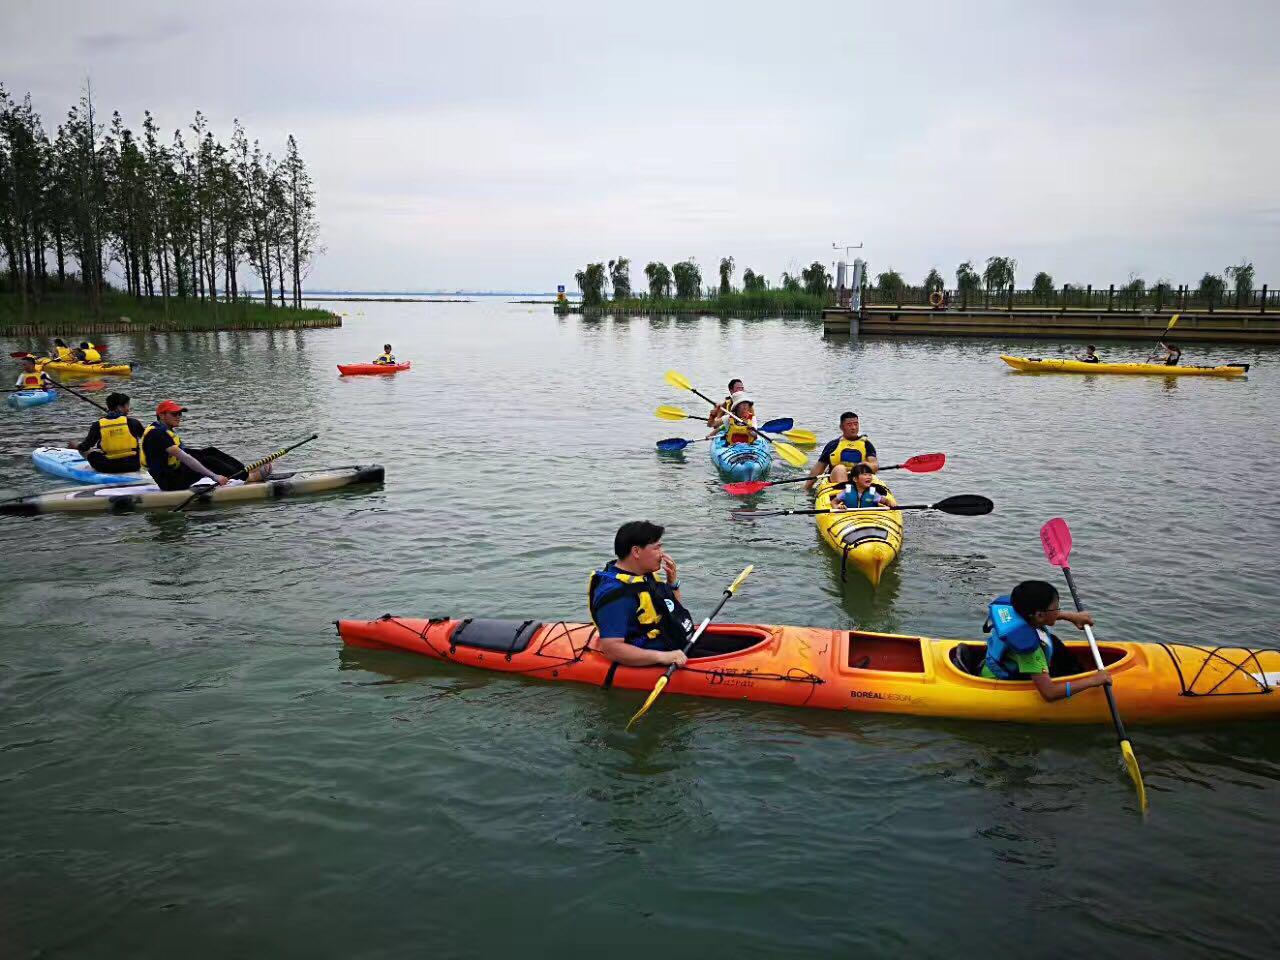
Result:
[[781, 303], [121, 313], [103, 228]]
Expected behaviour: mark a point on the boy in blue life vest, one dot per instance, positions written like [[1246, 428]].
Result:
[[862, 492], [1020, 648], [641, 621]]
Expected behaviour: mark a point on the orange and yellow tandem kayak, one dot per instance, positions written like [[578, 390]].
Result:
[[855, 670]]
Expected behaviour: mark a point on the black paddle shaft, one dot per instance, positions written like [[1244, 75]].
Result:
[[1111, 697], [76, 393]]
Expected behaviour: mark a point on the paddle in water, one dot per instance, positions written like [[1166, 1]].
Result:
[[672, 444], [961, 505], [205, 487], [921, 463], [666, 677], [75, 393], [1055, 536], [785, 450]]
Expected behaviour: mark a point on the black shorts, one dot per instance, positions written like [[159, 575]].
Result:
[[182, 477]]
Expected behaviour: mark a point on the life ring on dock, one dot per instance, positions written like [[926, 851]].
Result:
[[936, 299]]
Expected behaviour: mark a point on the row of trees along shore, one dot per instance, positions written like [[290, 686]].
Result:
[[995, 286], [180, 217], [680, 287]]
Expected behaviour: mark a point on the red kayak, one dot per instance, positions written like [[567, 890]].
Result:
[[354, 369]]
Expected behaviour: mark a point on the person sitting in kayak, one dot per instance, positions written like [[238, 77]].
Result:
[[87, 353], [61, 352], [174, 467], [1020, 648], [1168, 353], [847, 449], [641, 621], [717, 418], [30, 378], [112, 444], [388, 358], [1090, 355], [744, 409], [862, 492]]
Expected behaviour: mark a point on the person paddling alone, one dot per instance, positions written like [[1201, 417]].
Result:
[[1021, 648], [1090, 355], [174, 467], [717, 416], [1168, 353], [30, 378], [641, 621], [840, 454], [113, 443], [388, 358]]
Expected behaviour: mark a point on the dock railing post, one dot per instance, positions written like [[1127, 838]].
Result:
[[1262, 301], [1111, 297]]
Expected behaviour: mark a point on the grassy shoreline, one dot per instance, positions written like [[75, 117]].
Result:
[[759, 303], [64, 313]]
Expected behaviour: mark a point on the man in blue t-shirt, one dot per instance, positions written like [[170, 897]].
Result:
[[641, 621], [844, 451]]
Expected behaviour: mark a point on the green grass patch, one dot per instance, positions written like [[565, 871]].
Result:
[[68, 313]]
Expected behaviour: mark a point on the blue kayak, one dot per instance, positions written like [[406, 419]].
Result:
[[68, 464], [31, 398], [741, 461]]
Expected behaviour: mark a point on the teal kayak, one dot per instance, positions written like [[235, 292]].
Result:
[[741, 461]]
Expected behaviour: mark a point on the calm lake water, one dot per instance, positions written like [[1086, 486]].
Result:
[[192, 765]]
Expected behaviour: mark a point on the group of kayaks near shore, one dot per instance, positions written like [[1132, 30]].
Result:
[[128, 466]]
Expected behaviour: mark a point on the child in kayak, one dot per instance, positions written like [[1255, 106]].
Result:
[[861, 493], [744, 408], [388, 358], [30, 378], [1021, 648]]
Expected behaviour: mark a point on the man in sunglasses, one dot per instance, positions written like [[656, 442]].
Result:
[[175, 467]]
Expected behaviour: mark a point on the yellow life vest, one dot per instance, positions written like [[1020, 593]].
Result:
[[117, 441], [32, 381], [652, 625], [386, 358], [849, 452], [737, 433], [91, 355], [64, 354], [172, 462]]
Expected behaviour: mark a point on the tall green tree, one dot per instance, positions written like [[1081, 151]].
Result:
[[753, 282], [726, 276], [1212, 288], [967, 279], [999, 274], [620, 278], [591, 282], [688, 277], [1242, 279], [816, 279], [791, 284], [889, 283], [659, 277], [934, 282], [1042, 287]]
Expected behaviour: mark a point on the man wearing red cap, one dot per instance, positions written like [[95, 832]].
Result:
[[175, 467]]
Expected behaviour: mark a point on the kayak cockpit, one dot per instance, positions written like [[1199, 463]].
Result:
[[884, 651], [969, 657], [721, 639]]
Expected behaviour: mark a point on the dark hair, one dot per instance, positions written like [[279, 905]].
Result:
[[1091, 348], [84, 344], [59, 342], [1032, 596], [635, 533], [848, 415], [117, 400], [386, 346], [732, 382], [860, 468]]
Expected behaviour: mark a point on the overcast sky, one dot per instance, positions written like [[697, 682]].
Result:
[[487, 145]]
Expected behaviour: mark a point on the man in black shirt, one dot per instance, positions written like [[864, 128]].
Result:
[[175, 467], [111, 445]]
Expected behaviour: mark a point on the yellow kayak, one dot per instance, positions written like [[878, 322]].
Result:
[[868, 540], [1036, 365], [87, 369]]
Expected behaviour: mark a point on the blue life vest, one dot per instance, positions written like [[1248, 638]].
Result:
[[662, 621], [1010, 633]]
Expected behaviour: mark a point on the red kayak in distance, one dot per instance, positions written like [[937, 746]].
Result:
[[357, 369]]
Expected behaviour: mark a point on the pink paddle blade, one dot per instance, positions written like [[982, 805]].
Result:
[[925, 463], [1056, 539], [746, 487]]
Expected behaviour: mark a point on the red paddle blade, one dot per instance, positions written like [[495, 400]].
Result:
[[1056, 538], [925, 463], [746, 487]]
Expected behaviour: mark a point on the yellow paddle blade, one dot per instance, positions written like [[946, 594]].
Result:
[[790, 454], [670, 413], [677, 380], [657, 689], [1135, 774], [1172, 322], [805, 438], [746, 572]]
